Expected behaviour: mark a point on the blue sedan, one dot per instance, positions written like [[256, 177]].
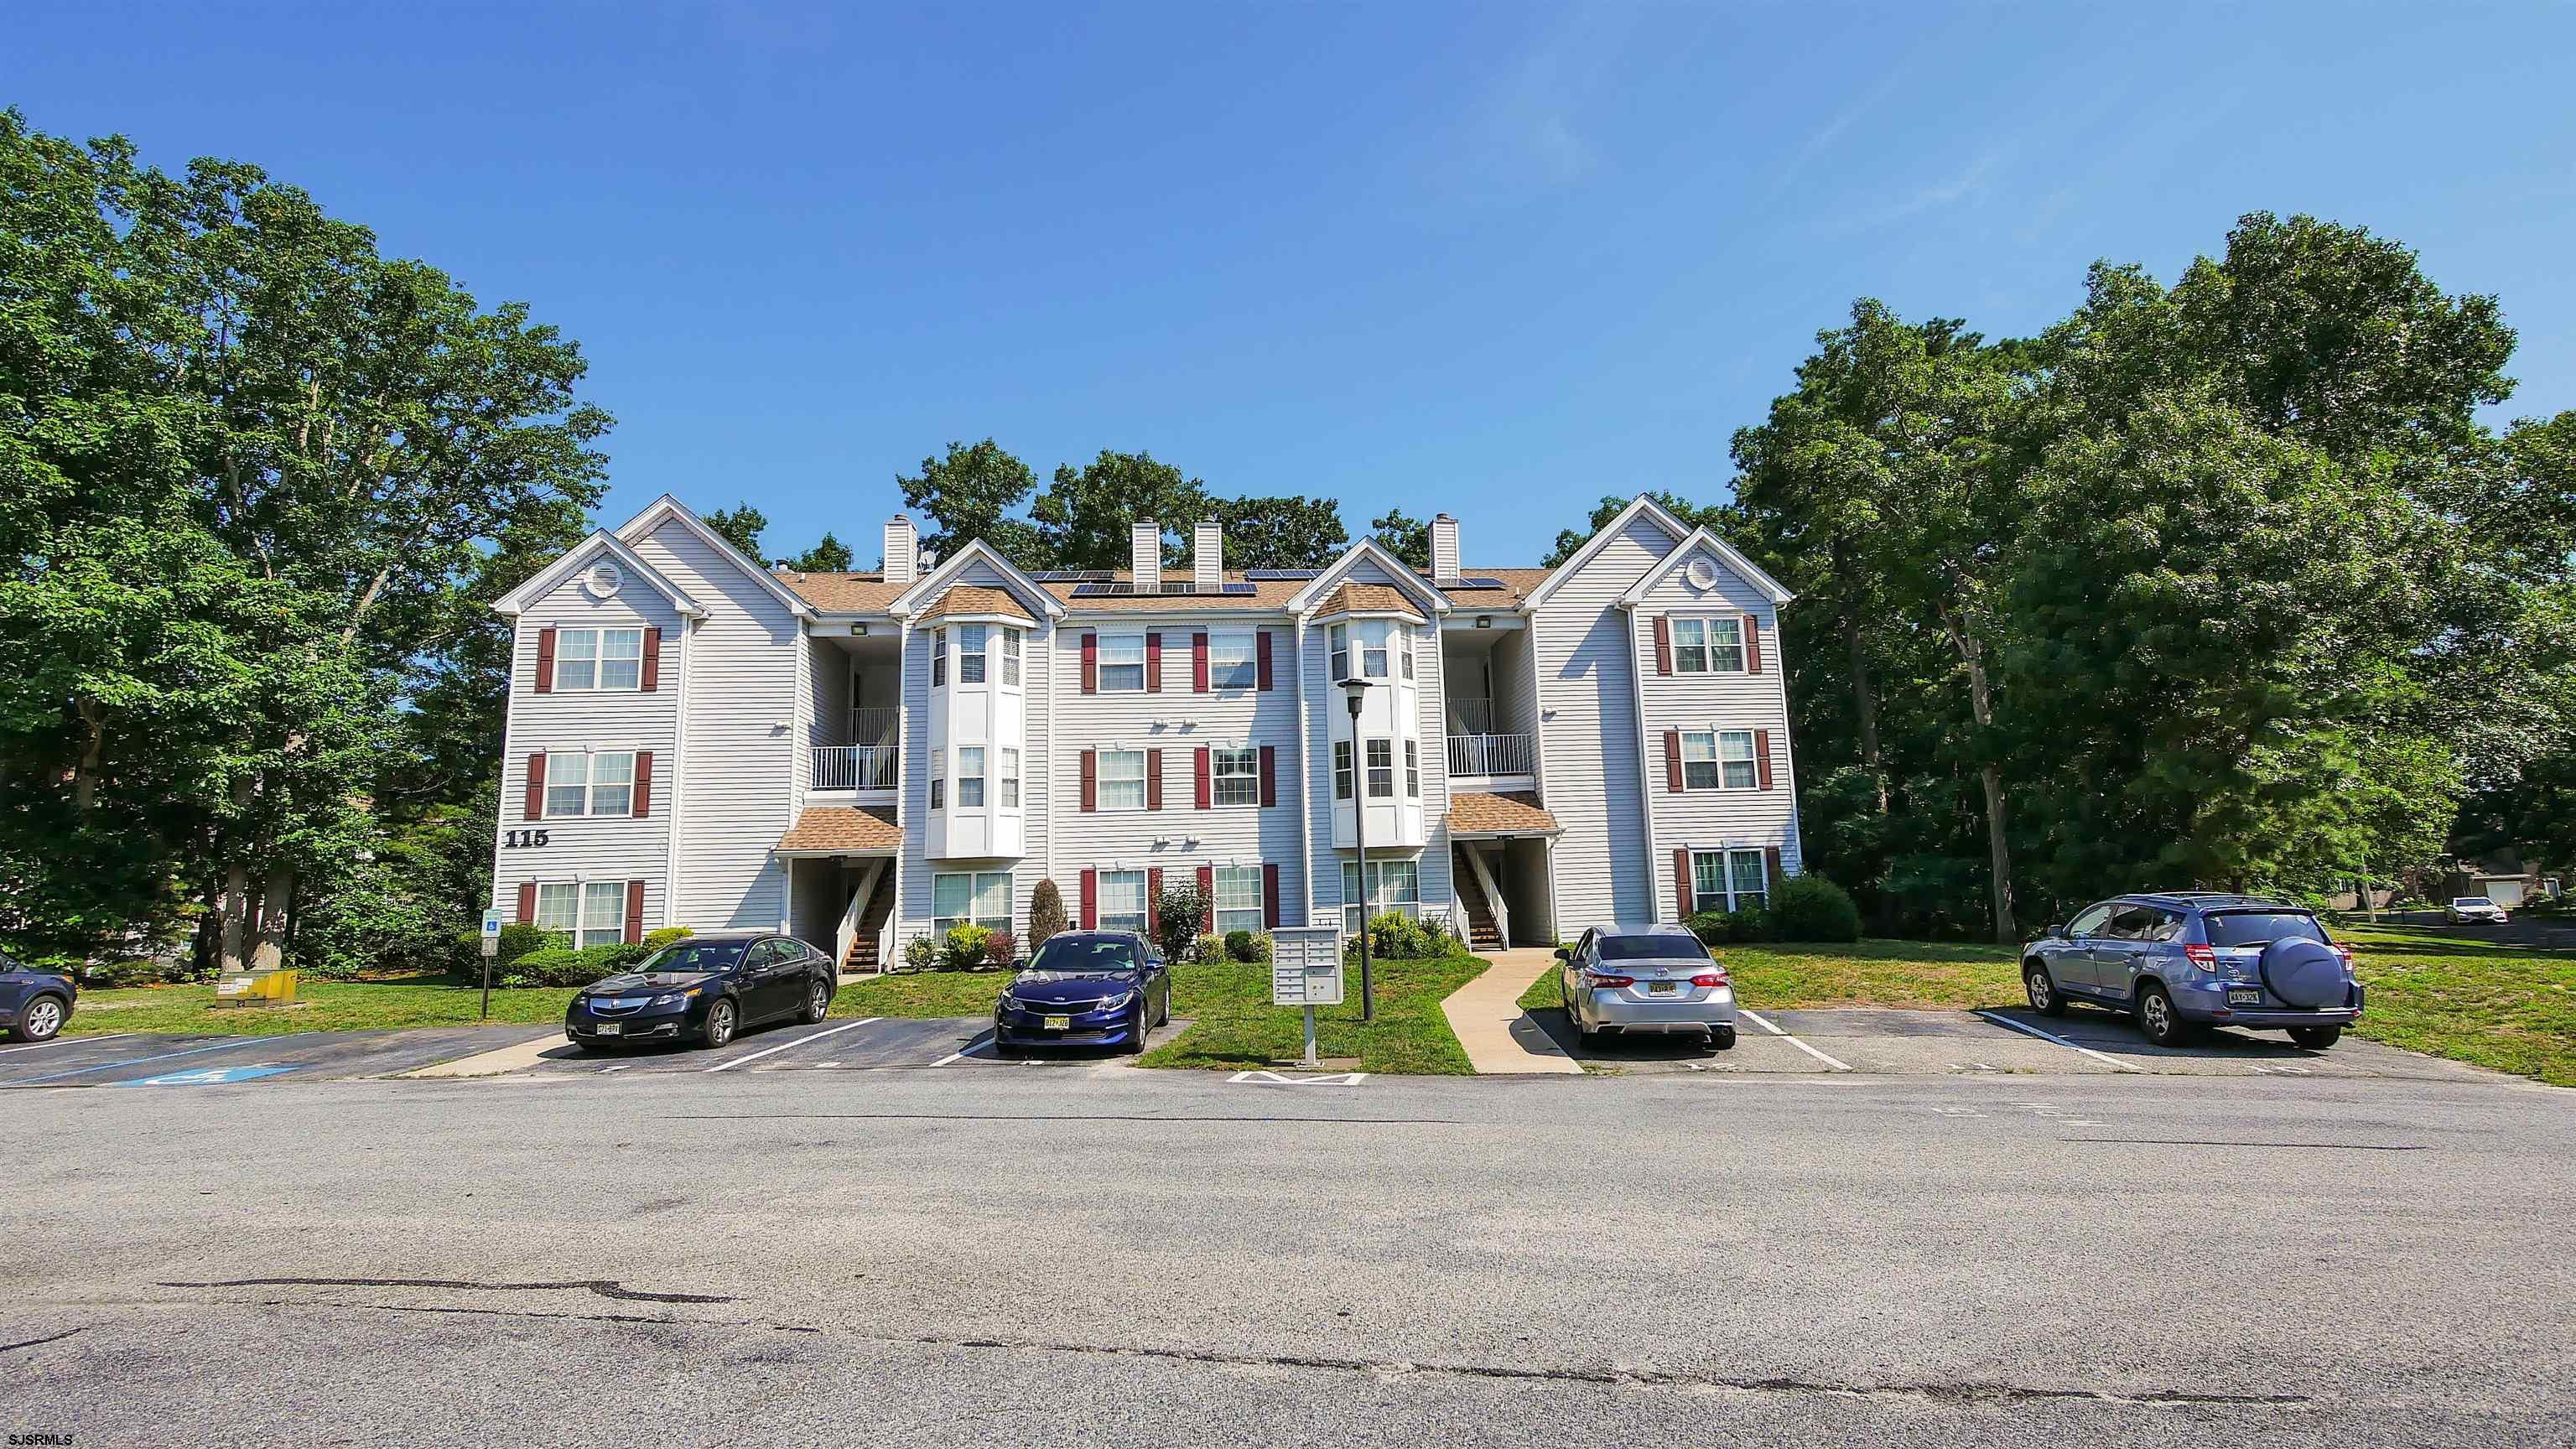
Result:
[[1085, 988]]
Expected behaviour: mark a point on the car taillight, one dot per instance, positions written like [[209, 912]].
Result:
[[1603, 978], [2346, 953], [2204, 957], [1709, 978]]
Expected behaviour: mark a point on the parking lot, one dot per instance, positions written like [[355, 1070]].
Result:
[[1888, 1042]]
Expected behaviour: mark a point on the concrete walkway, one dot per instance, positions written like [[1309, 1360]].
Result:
[[1486, 1015]]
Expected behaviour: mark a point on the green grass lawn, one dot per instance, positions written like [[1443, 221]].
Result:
[[1866, 973], [1236, 1027], [424, 1000], [2495, 1006], [921, 993]]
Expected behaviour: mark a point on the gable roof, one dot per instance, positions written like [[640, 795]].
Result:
[[1641, 505], [937, 581], [1306, 599], [974, 599], [578, 557], [669, 509], [1744, 568], [844, 593], [1368, 598]]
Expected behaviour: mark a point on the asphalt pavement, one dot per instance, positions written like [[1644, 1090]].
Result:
[[949, 1255]]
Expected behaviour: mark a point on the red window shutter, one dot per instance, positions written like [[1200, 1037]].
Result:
[[1269, 773], [1261, 660], [1207, 893], [1090, 898], [1153, 779], [643, 784], [635, 913], [536, 801], [1771, 871], [1673, 760], [1154, 902], [1762, 755], [1270, 893], [545, 661], [1206, 786], [1199, 663], [1752, 644], [1681, 884], [1090, 789], [652, 660], [1153, 663], [1090, 668], [1663, 645], [527, 903]]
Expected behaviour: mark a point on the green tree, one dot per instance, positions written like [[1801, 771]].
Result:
[[741, 525], [1084, 516], [1723, 519], [1292, 532], [969, 494], [828, 556], [1403, 535]]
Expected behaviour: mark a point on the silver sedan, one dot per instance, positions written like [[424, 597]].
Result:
[[1644, 979]]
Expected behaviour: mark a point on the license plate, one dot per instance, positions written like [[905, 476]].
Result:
[[2244, 996], [1058, 1023], [1662, 988], [612, 1028]]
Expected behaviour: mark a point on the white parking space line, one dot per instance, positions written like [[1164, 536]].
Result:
[[58, 1041], [1758, 1020], [2114, 1063], [726, 1066], [951, 1057]]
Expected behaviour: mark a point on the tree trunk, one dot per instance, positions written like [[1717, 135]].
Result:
[[1865, 705], [236, 906], [1991, 775], [273, 903]]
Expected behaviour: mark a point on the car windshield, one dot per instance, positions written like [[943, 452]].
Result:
[[2469, 901], [1083, 956], [2261, 928], [683, 957], [1657, 947]]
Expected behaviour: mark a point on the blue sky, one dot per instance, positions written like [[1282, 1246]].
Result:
[[1495, 259]]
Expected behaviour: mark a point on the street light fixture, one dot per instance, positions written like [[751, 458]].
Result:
[[1355, 689]]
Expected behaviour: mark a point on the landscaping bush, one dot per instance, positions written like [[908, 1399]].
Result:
[[1238, 946], [111, 974], [1046, 914], [1208, 948], [1812, 908], [1396, 937], [920, 953], [1178, 909], [1254, 951], [656, 940], [554, 967], [964, 948], [1000, 950], [1720, 928]]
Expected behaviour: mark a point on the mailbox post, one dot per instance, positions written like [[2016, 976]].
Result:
[[1306, 970]]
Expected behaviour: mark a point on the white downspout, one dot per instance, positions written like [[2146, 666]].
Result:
[[1645, 790], [679, 770], [1538, 765], [1305, 783]]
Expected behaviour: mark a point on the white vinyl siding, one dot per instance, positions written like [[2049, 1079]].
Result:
[[1588, 698]]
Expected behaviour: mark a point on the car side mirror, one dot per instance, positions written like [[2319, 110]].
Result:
[[2057, 928], [1564, 954]]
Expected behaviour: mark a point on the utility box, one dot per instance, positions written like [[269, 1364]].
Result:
[[1306, 966], [257, 988]]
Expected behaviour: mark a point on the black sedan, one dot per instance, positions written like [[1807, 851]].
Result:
[[33, 1004], [1085, 988], [703, 990]]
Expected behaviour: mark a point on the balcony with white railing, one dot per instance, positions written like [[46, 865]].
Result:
[[872, 763], [1490, 760]]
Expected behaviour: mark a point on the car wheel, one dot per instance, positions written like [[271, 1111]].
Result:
[[42, 1019], [818, 1003], [1721, 1039], [720, 1023], [2315, 1038], [2044, 999], [1008, 1049], [1136, 1032], [2157, 1018]]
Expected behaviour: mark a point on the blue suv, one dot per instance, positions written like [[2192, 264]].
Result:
[[2185, 960]]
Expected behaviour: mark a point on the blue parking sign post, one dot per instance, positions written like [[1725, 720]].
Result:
[[491, 948]]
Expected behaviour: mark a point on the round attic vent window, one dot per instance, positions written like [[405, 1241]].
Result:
[[603, 580], [1701, 573]]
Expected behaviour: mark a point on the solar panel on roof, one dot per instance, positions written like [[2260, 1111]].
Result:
[[1475, 583], [1175, 589], [1072, 576], [1276, 576]]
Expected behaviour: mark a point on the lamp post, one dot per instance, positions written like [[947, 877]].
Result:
[[1355, 689]]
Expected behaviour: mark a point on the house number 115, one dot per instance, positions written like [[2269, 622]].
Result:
[[515, 839]]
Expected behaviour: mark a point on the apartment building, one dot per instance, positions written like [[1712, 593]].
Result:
[[863, 758]]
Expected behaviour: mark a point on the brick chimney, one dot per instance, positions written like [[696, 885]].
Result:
[[1145, 555]]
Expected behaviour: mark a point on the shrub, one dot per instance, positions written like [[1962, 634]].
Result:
[[1000, 949], [920, 953], [1178, 909], [1238, 945], [1719, 928], [1812, 908], [1256, 950], [520, 938], [111, 974], [963, 950], [1396, 937], [556, 967], [1208, 948], [656, 940], [1046, 913]]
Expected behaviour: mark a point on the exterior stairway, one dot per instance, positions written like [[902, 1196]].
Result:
[[1482, 934], [863, 947]]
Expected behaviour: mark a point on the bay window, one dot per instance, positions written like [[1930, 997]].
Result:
[[1341, 769], [1412, 770], [1381, 769], [1340, 636], [970, 775], [1011, 658], [938, 657], [1010, 778], [970, 653]]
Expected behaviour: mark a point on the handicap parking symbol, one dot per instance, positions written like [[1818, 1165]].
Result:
[[210, 1076]]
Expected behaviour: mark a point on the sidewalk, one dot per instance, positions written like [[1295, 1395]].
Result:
[[1483, 1013]]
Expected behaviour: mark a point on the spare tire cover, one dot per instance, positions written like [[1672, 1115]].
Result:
[[2304, 972]]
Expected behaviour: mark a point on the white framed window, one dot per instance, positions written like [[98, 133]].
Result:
[[1394, 885], [599, 659], [1735, 756], [938, 657], [1122, 780], [1750, 882], [1238, 775], [1719, 760], [590, 783], [1010, 778], [938, 779], [1122, 663], [1122, 901], [1412, 770], [970, 776], [981, 898], [1340, 637], [970, 653], [1728, 880], [1233, 660], [1381, 769], [1011, 658], [1708, 646], [1708, 881], [1373, 637], [1341, 769], [1404, 648], [1699, 760], [591, 913], [1238, 899], [1690, 646]]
